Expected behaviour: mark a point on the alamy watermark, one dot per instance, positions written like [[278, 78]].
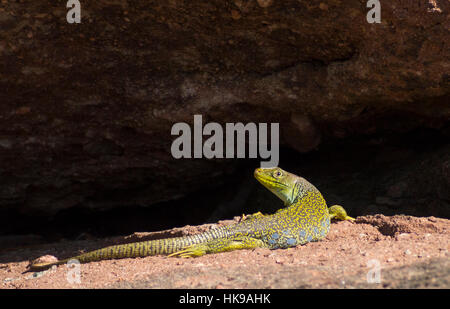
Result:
[[374, 274], [218, 147], [73, 274], [74, 14], [374, 14]]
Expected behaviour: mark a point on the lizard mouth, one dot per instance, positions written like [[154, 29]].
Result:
[[267, 180]]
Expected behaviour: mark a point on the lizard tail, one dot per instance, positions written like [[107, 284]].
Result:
[[35, 266], [165, 246]]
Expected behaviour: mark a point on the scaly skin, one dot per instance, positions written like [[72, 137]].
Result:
[[305, 218]]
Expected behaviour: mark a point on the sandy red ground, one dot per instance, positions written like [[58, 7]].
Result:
[[404, 251]]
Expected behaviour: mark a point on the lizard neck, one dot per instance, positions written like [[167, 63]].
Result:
[[310, 203]]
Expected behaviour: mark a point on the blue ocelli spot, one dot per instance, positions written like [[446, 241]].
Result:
[[275, 236], [291, 241], [302, 233], [309, 238]]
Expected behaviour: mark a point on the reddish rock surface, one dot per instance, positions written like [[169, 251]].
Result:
[[91, 112]]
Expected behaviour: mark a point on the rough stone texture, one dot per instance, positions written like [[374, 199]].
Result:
[[86, 109]]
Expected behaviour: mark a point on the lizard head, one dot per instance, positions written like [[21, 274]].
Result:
[[288, 187]]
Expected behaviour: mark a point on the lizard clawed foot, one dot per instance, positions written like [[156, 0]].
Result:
[[256, 215], [338, 212], [191, 251]]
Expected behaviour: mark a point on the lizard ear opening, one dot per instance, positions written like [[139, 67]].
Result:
[[296, 192]]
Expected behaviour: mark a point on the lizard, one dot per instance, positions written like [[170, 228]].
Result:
[[305, 218]]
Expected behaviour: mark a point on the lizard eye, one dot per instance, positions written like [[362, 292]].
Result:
[[277, 174]]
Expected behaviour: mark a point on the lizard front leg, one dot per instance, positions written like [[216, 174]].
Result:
[[256, 215], [338, 212]]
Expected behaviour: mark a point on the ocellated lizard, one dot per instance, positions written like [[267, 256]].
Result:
[[305, 218]]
